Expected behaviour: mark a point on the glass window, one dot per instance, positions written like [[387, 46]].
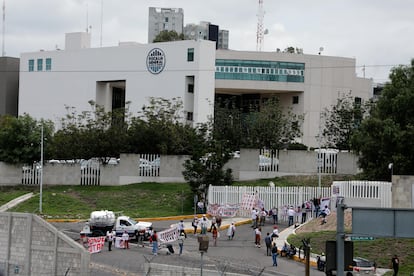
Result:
[[39, 64], [295, 99], [190, 88], [48, 64], [31, 65], [190, 54], [189, 116]]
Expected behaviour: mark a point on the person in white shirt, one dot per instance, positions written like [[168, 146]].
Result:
[[110, 236], [291, 214], [125, 239], [326, 212], [258, 236], [204, 225], [231, 231], [254, 218], [180, 227]]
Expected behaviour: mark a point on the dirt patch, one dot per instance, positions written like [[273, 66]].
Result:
[[315, 224]]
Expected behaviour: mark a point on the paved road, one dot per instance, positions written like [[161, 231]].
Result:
[[239, 255]]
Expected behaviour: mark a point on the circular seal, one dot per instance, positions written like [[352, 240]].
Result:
[[156, 61]]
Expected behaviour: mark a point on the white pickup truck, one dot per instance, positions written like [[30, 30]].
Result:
[[102, 221]]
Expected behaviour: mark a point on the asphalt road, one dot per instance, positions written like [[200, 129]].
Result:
[[239, 255]]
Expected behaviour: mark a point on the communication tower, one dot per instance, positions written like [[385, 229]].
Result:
[[260, 30]]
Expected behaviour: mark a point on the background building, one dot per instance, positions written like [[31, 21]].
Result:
[[164, 19], [112, 76], [9, 85], [207, 31]]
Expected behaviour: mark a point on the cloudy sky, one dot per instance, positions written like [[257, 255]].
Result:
[[378, 33]]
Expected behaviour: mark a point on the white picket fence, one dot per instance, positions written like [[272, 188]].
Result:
[[363, 190], [360, 193], [271, 196]]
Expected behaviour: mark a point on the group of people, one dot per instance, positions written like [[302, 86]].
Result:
[[111, 237]]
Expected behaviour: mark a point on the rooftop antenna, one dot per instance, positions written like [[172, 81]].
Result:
[[260, 31], [3, 51], [87, 17], [101, 19]]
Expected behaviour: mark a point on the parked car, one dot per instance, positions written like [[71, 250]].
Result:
[[360, 266]]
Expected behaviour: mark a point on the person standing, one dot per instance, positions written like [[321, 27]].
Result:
[[326, 212], [155, 243], [181, 238], [218, 222], [274, 254], [204, 225], [125, 239], [268, 242], [231, 231], [395, 264], [258, 236], [214, 233], [274, 214], [291, 215], [110, 235], [194, 223], [254, 218], [180, 227]]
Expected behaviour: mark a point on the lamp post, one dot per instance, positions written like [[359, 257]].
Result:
[[41, 169], [391, 168]]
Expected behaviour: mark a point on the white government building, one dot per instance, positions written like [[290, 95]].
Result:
[[192, 70]]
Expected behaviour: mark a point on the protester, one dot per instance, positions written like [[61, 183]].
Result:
[[254, 218], [274, 212], [325, 212], [215, 234], [125, 239], [274, 254], [218, 222], [231, 231], [268, 242], [110, 235], [180, 227], [194, 223], [258, 236], [395, 264], [291, 215], [181, 238], [204, 224], [155, 243]]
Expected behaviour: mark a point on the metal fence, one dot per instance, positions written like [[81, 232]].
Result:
[[271, 196]]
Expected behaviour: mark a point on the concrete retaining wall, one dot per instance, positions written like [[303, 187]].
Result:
[[402, 191], [32, 246], [171, 167]]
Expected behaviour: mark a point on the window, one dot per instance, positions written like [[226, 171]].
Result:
[[295, 99], [191, 88], [31, 65], [189, 116], [166, 19], [48, 64], [358, 101], [190, 54], [39, 64]]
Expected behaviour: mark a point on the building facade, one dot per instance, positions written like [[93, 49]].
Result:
[[306, 84], [50, 81], [164, 19], [9, 85], [192, 70]]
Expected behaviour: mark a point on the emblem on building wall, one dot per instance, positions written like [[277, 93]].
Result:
[[156, 61]]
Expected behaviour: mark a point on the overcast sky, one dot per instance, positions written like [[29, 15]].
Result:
[[378, 33]]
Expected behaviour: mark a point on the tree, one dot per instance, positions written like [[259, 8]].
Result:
[[165, 36], [386, 136], [160, 128], [94, 133], [20, 139], [341, 120], [271, 127], [208, 157]]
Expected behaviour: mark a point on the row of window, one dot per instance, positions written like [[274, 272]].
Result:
[[258, 70], [39, 64]]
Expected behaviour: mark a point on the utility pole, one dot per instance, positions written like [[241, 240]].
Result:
[[340, 237], [260, 30]]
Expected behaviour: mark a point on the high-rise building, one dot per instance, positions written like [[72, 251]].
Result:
[[164, 19], [207, 31]]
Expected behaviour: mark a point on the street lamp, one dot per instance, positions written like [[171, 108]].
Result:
[[391, 168], [41, 169]]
